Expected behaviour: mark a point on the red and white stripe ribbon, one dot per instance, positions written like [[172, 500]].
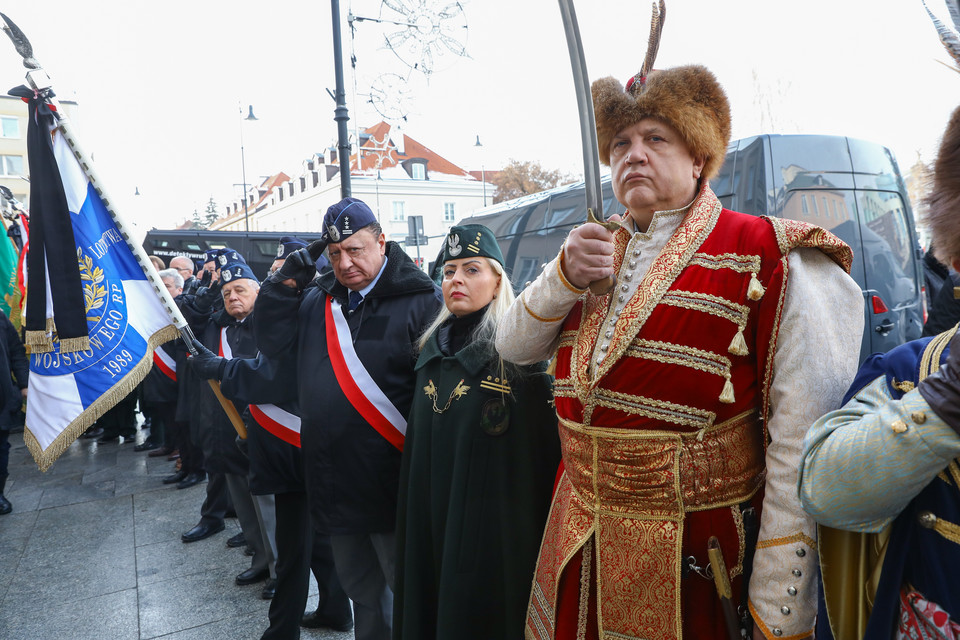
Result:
[[357, 383], [166, 364], [277, 421]]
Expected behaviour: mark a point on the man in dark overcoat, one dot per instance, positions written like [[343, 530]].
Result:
[[352, 332]]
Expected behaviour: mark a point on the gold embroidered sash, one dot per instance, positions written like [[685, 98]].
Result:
[[630, 491]]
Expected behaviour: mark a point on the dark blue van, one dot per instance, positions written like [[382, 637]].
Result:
[[850, 187]]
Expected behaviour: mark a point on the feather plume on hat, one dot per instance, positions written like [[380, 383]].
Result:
[[688, 98], [943, 212]]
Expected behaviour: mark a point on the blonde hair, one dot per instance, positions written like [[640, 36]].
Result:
[[486, 331]]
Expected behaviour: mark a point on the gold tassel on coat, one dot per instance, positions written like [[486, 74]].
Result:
[[738, 346], [755, 291], [726, 396]]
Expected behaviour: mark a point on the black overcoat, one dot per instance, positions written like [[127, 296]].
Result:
[[217, 434], [13, 360], [352, 472]]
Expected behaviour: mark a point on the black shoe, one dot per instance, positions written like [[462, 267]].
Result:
[[230, 514], [190, 480], [108, 440], [237, 541], [5, 506], [252, 575], [269, 590], [315, 620], [146, 445], [201, 531], [94, 432], [175, 478]]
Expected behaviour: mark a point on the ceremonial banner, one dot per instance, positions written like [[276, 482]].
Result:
[[78, 373]]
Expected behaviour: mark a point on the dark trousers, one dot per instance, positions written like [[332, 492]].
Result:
[[298, 551], [191, 458], [121, 419], [215, 505]]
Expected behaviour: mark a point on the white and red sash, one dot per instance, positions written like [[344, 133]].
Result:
[[277, 421], [225, 350], [272, 418], [166, 364], [357, 384]]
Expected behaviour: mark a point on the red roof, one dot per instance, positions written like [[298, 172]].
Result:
[[378, 147]]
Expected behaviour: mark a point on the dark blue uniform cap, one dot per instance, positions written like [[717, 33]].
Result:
[[210, 255], [289, 244], [226, 256], [346, 218], [235, 269]]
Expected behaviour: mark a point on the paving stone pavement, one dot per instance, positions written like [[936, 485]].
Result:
[[92, 551]]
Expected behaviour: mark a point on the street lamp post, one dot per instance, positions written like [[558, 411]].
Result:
[[483, 177], [243, 167]]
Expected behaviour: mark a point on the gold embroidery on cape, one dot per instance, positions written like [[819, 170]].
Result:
[[779, 542], [772, 350], [707, 303], [930, 361], [667, 352], [675, 255], [732, 261], [653, 408], [585, 567], [567, 339]]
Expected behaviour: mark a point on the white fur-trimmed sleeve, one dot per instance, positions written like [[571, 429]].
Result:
[[817, 354]]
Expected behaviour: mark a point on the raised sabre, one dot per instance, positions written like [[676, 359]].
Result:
[[588, 132]]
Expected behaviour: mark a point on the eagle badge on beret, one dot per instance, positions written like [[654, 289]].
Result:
[[280, 250], [453, 245], [334, 233], [227, 276]]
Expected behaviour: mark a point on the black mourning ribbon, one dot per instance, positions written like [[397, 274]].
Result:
[[53, 248]]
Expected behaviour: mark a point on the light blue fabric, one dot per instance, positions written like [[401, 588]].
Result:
[[858, 473]]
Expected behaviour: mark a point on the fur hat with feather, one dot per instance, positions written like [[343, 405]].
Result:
[[943, 213], [688, 98]]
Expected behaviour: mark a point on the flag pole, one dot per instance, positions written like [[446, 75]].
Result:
[[40, 82]]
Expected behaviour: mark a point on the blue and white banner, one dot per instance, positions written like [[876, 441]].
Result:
[[125, 319]]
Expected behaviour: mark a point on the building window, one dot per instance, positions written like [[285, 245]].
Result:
[[9, 127], [418, 171], [11, 165], [449, 211], [399, 211], [803, 204], [813, 203]]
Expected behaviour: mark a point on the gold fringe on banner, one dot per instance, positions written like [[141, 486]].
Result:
[[69, 345], [45, 458], [38, 341]]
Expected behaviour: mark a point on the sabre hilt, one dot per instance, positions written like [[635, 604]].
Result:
[[604, 286]]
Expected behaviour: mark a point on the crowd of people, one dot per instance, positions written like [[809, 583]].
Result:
[[690, 451]]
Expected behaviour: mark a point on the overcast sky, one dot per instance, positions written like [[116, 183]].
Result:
[[159, 84]]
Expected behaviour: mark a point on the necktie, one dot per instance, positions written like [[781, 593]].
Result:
[[355, 299]]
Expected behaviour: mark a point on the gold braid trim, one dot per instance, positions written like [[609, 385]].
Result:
[[766, 630], [46, 457], [948, 530], [732, 261], [535, 316], [737, 569], [585, 567], [706, 361], [779, 542], [707, 303], [563, 278], [930, 362], [655, 409]]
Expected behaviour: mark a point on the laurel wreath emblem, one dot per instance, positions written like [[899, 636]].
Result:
[[94, 292]]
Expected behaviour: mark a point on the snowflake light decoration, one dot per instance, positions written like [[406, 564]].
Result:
[[425, 34]]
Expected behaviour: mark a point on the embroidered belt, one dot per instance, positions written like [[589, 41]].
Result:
[[629, 490], [663, 473]]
